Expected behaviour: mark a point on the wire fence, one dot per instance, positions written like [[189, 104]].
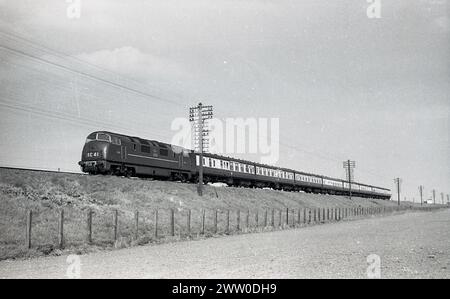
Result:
[[46, 227]]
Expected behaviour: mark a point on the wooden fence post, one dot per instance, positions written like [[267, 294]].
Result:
[[89, 226], [172, 222], [309, 217], [318, 215], [273, 217], [287, 216], [280, 223], [156, 223], [136, 224], [265, 218], [228, 221], [203, 222], [188, 224], [315, 211], [61, 229], [28, 231], [247, 220], [215, 221], [238, 220], [257, 218], [116, 221], [299, 213], [328, 214]]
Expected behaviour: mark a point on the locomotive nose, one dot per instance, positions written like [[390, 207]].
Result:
[[95, 150]]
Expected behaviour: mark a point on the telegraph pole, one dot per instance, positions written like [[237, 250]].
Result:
[[442, 197], [448, 199], [198, 115], [349, 165], [397, 182], [421, 194], [434, 196]]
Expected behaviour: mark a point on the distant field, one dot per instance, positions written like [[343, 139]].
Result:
[[46, 193]]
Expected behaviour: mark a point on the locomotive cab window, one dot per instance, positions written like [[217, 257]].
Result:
[[103, 137], [91, 137], [115, 140]]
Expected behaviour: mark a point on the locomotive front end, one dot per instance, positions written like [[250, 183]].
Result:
[[95, 153]]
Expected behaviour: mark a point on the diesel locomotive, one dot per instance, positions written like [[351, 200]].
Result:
[[116, 154]]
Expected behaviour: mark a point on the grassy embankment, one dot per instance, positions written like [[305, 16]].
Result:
[[46, 193]]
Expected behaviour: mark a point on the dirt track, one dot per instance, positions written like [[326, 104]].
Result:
[[411, 245]]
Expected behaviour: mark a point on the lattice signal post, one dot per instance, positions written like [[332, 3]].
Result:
[[398, 182], [198, 116], [421, 194], [349, 174]]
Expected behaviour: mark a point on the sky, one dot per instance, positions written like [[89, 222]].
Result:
[[342, 85]]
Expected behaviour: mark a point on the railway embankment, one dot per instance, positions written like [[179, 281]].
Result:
[[54, 213]]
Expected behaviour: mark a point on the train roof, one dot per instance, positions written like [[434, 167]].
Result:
[[288, 169], [140, 140]]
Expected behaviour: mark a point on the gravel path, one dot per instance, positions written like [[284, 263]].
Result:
[[410, 245]]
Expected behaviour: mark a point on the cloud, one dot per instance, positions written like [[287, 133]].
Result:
[[133, 62], [443, 23]]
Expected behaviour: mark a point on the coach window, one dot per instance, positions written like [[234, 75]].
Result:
[[163, 152], [145, 149], [204, 161]]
